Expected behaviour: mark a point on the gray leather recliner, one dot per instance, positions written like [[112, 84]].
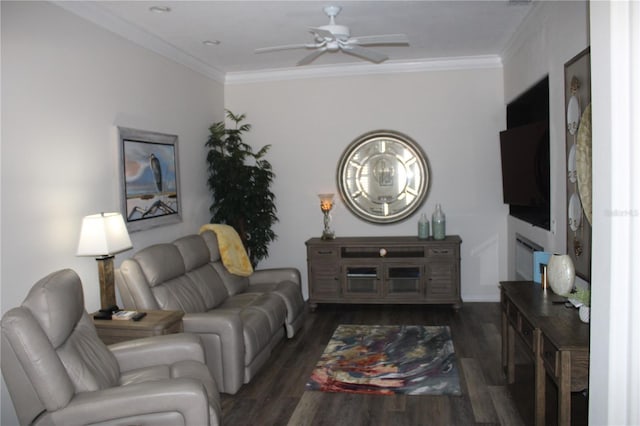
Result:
[[59, 372]]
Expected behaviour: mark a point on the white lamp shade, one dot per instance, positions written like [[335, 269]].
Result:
[[326, 197], [103, 234]]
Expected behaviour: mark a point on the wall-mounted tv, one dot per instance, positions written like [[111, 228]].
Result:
[[524, 150]]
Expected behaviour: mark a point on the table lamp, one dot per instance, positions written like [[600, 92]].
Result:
[[102, 236], [326, 204]]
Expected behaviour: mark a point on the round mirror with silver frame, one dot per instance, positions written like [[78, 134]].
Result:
[[383, 176]]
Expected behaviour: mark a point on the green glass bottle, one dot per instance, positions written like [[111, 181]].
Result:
[[423, 227], [438, 221]]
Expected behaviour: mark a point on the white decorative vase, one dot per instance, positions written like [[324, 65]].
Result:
[[584, 312], [561, 274]]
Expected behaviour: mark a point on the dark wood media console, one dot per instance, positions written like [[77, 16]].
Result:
[[384, 270]]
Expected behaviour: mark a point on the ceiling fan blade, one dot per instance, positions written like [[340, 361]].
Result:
[[285, 47], [379, 39], [322, 33], [368, 54], [312, 56]]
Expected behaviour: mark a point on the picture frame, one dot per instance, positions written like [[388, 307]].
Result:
[[577, 107], [150, 179]]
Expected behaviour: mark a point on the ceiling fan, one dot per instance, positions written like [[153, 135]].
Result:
[[333, 38]]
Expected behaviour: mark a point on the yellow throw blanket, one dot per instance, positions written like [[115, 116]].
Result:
[[233, 254]]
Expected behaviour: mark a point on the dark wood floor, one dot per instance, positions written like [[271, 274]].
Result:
[[276, 396]]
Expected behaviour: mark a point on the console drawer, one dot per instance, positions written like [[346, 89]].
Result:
[[323, 253], [527, 333], [441, 252]]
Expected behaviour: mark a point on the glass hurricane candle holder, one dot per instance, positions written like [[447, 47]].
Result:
[[326, 204]]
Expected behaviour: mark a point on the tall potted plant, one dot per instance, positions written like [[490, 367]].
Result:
[[240, 182]]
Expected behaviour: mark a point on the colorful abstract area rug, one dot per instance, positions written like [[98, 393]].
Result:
[[386, 360]]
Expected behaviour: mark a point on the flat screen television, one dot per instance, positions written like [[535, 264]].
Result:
[[524, 150]]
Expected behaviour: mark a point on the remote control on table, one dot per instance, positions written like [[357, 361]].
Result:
[[139, 316]]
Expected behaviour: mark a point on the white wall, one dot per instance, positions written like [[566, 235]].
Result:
[[614, 378], [454, 115], [66, 85], [552, 34]]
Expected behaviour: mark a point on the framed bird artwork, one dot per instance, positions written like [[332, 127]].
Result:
[[150, 189]]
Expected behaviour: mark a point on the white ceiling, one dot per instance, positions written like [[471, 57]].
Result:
[[436, 29]]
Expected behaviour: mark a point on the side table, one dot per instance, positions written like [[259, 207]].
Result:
[[154, 324]]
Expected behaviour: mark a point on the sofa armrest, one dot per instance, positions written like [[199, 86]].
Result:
[[158, 350], [221, 331], [274, 275], [186, 399]]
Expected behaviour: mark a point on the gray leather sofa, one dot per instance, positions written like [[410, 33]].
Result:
[[58, 372], [239, 319]]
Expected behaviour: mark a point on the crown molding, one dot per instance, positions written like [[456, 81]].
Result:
[[389, 67], [105, 19], [101, 17], [516, 39]]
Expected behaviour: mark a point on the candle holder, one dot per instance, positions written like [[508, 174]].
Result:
[[326, 204]]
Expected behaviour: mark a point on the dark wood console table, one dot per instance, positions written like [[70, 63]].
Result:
[[384, 270], [555, 338]]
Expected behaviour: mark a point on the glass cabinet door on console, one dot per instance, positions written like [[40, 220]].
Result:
[[361, 281], [403, 281]]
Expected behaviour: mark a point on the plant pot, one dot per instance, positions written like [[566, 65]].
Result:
[[561, 274]]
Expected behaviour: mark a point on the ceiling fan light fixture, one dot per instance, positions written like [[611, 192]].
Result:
[[339, 31], [334, 38], [332, 11]]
